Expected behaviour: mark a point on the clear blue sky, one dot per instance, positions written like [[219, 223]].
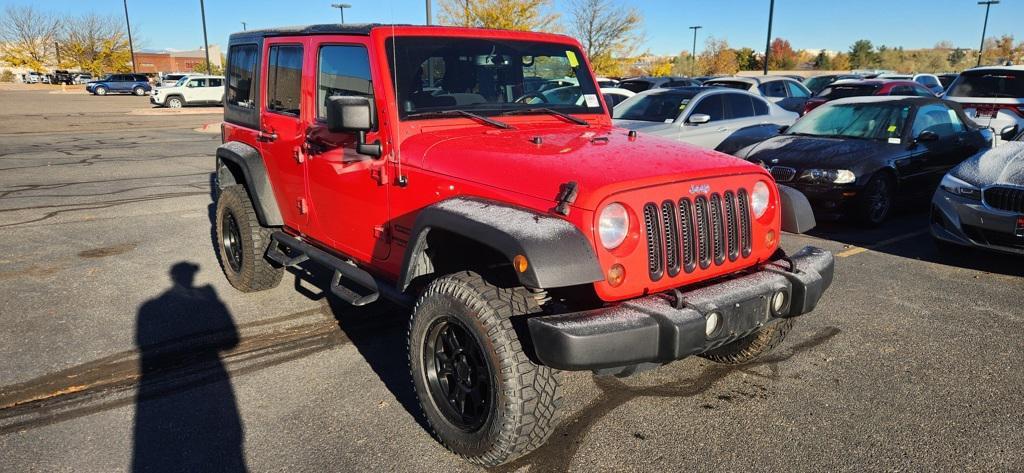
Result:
[[828, 24]]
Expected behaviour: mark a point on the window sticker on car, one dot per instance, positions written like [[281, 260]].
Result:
[[591, 100], [895, 141], [573, 62], [891, 128]]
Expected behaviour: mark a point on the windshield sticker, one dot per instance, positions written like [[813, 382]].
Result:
[[895, 141], [573, 62], [892, 128], [591, 100]]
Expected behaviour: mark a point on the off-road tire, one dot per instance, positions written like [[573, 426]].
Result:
[[174, 101], [880, 186], [100, 90], [255, 272], [752, 346], [525, 396], [139, 91]]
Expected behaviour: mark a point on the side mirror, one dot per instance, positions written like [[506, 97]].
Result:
[[698, 118], [1008, 133], [354, 114], [927, 136]]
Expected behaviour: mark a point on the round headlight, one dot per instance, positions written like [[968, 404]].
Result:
[[759, 199], [613, 225]]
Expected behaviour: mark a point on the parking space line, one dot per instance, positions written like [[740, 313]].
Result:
[[856, 250]]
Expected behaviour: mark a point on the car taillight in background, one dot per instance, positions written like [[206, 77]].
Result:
[[812, 104], [991, 110]]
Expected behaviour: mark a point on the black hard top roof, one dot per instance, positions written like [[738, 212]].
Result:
[[358, 29]]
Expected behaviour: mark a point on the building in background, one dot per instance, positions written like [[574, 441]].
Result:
[[149, 62]]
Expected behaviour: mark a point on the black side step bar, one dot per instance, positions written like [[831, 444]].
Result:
[[344, 271]]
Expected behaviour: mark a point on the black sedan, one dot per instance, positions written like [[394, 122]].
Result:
[[857, 156]]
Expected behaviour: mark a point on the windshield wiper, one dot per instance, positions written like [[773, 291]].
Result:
[[578, 121], [448, 113]]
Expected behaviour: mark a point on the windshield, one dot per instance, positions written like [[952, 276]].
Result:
[[850, 90], [663, 107], [728, 83], [489, 77], [817, 83], [181, 82], [989, 84], [868, 121]]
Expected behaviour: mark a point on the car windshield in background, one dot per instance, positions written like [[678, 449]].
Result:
[[865, 121], [663, 107], [489, 77], [181, 82], [728, 83], [817, 83], [843, 91], [989, 84], [635, 85]]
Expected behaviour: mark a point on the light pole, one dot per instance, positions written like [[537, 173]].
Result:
[[243, 25], [341, 8], [693, 58], [768, 44], [206, 42], [131, 48], [988, 5]]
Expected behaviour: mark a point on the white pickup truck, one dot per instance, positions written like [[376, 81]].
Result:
[[190, 90]]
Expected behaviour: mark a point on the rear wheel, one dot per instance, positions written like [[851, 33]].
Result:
[[876, 200], [101, 90], [482, 396], [242, 243], [139, 91], [752, 346]]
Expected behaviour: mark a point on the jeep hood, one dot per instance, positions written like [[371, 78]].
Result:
[[804, 152], [537, 161]]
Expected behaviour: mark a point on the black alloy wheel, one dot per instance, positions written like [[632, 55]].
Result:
[[459, 379], [231, 239]]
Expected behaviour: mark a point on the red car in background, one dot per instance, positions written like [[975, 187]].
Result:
[[861, 88]]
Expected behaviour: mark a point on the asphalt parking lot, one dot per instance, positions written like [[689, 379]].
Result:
[[912, 362]]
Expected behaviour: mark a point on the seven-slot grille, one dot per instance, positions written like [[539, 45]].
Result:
[[690, 233], [1005, 198]]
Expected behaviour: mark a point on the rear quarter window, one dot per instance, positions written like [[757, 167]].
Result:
[[241, 75]]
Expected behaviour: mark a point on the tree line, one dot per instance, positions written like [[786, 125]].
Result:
[[33, 39]]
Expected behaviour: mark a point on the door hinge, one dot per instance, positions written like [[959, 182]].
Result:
[[302, 206], [298, 154]]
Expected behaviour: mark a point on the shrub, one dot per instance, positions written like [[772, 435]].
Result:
[[6, 76]]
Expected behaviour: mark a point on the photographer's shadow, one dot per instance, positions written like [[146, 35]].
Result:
[[188, 424]]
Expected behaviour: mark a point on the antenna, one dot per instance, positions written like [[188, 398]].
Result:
[[401, 180]]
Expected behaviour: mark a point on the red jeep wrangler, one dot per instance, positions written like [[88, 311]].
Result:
[[474, 176]]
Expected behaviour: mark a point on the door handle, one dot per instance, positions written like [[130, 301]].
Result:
[[266, 136], [722, 129]]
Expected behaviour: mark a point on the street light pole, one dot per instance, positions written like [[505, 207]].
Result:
[[131, 48], [341, 8], [768, 44], [243, 25], [428, 13], [206, 42], [984, 29], [693, 58], [56, 46]]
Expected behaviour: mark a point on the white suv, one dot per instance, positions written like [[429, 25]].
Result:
[[993, 97], [190, 90]]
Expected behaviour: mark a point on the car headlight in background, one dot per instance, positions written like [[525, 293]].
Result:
[[960, 187], [613, 225], [759, 199], [828, 176]]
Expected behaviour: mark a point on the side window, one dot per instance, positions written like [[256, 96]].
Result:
[[284, 79], [760, 106], [923, 92], [737, 106], [216, 82], [795, 90], [241, 73], [197, 83], [711, 106], [343, 70], [775, 88], [939, 119]]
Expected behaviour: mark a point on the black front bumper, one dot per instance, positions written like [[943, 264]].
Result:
[[662, 328]]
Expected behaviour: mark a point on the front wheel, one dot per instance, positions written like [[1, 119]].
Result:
[[876, 200], [242, 243], [101, 91], [482, 396], [175, 102]]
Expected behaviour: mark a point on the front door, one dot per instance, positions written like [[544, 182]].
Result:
[[349, 191], [282, 133]]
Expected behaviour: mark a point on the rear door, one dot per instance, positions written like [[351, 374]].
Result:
[[283, 133], [215, 90], [349, 191]]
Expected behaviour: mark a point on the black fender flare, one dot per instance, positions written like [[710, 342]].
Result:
[[557, 253], [797, 215], [257, 181]]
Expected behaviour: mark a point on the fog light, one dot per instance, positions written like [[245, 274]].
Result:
[[520, 263], [616, 274], [769, 238], [778, 302], [711, 323]]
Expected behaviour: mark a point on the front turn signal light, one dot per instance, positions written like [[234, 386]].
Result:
[[616, 275]]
